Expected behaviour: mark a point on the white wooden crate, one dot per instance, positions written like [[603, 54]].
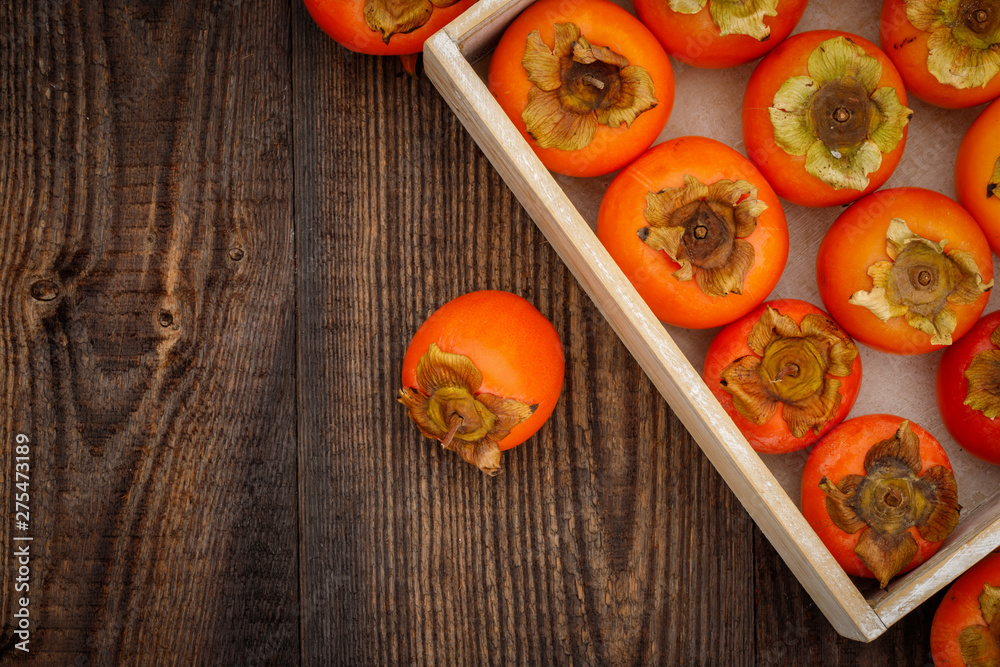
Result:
[[565, 209]]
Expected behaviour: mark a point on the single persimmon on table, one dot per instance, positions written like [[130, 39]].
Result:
[[697, 230], [785, 373], [482, 375], [880, 492], [586, 84], [719, 33], [905, 270], [825, 118]]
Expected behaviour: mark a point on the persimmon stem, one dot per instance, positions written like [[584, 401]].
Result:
[[454, 424], [791, 370], [594, 81]]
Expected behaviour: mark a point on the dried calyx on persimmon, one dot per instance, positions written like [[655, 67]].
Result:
[[964, 42], [448, 407], [889, 499], [578, 86], [980, 644], [983, 376], [702, 228], [789, 368], [392, 17], [733, 17], [837, 116], [920, 282]]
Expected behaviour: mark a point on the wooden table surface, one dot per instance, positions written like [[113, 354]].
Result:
[[218, 230]]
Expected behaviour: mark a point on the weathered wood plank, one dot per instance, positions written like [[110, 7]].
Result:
[[791, 630], [146, 301], [608, 538]]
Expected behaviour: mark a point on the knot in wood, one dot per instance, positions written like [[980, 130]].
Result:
[[166, 318], [44, 290], [236, 254]]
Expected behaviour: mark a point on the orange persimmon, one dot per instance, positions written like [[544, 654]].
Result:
[[482, 375]]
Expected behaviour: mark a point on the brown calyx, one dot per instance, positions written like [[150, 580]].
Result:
[[979, 16], [889, 499], [709, 232], [840, 114], [791, 368], [396, 17], [923, 279], [447, 406], [983, 378], [455, 411], [577, 87], [588, 87]]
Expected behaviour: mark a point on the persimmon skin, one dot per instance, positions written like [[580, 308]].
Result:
[[682, 303], [856, 240], [959, 609], [603, 23], [907, 47], [773, 436], [842, 452], [975, 432], [696, 40], [787, 172], [344, 22], [514, 346], [974, 164]]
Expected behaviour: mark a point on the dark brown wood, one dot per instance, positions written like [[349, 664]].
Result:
[[148, 324], [218, 230]]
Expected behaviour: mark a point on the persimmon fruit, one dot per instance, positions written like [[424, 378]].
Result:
[[482, 374], [599, 90], [880, 493], [685, 284], [785, 373]]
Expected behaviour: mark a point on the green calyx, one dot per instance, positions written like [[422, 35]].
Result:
[[964, 42], [733, 17], [837, 116], [921, 283]]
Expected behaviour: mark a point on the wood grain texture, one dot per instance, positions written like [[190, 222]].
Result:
[[147, 308]]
